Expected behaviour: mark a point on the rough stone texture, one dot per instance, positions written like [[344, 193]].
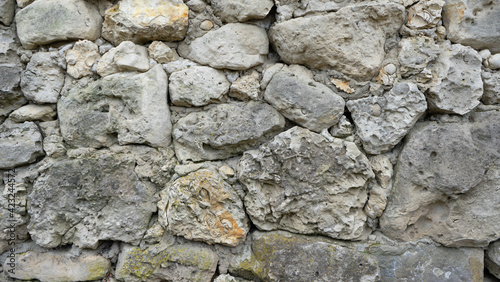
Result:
[[415, 53], [7, 9], [383, 121], [81, 58], [491, 83], [53, 143], [126, 57], [24, 3], [10, 63], [225, 130], [457, 85], [288, 9], [161, 53], [120, 108], [59, 267], [246, 87], [473, 23], [492, 259], [19, 144], [294, 93], [197, 86], [175, 263], [342, 129], [215, 213], [241, 11], [43, 79], [140, 21], [303, 183], [33, 113], [327, 41], [10, 102], [105, 200], [282, 256], [233, 46], [46, 21], [445, 178], [425, 14]]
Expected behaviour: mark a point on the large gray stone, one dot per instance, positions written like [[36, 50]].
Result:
[[457, 85], [10, 102], [446, 180], [329, 41], [197, 86], [225, 130], [43, 79], [215, 213], [140, 21], [283, 256], [127, 108], [383, 121], [104, 200], [491, 84], [304, 183], [313, 105], [473, 23], [233, 46], [19, 144], [7, 9], [241, 11], [492, 259], [415, 53], [59, 266], [46, 21]]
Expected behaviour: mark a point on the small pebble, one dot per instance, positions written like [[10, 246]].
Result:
[[494, 61], [390, 69], [206, 25], [485, 54]]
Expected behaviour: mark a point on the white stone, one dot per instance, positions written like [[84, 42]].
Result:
[[161, 53], [81, 58], [126, 57]]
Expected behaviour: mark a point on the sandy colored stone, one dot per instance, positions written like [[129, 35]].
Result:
[[81, 58], [33, 112], [161, 53]]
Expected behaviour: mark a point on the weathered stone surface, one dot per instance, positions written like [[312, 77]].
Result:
[[161, 53], [233, 46], [342, 129], [126, 57], [493, 62], [197, 86], [105, 200], [383, 121], [241, 11], [445, 180], [282, 256], [43, 79], [175, 263], [288, 9], [81, 58], [7, 9], [327, 41], [24, 3], [303, 183], [33, 113], [19, 144], [59, 266], [415, 53], [425, 14], [225, 130], [140, 21], [10, 63], [246, 87], [473, 23], [10, 102], [454, 91], [53, 143], [46, 21], [492, 259], [491, 84], [215, 213], [313, 105], [121, 108]]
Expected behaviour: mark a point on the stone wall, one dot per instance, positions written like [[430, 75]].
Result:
[[316, 140]]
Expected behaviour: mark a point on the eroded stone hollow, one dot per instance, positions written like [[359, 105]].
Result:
[[257, 140]]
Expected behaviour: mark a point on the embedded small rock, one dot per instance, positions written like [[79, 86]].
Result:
[[161, 53], [7, 9], [19, 144], [126, 57], [491, 82], [81, 58], [246, 87], [415, 53], [240, 11], [425, 14], [33, 113]]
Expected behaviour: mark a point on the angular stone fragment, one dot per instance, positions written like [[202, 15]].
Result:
[[234, 46], [351, 40], [43, 79], [7, 9], [19, 144], [491, 83], [225, 130], [457, 85], [304, 101], [197, 86], [297, 8], [33, 113], [59, 266], [303, 183], [81, 58], [161, 53], [10, 63], [140, 21], [473, 23], [492, 259], [10, 102], [383, 121], [24, 3], [104, 200], [46, 21], [446, 178], [246, 87], [342, 129], [121, 108], [283, 256], [215, 213], [240, 11], [126, 57], [175, 263], [415, 53], [425, 14]]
